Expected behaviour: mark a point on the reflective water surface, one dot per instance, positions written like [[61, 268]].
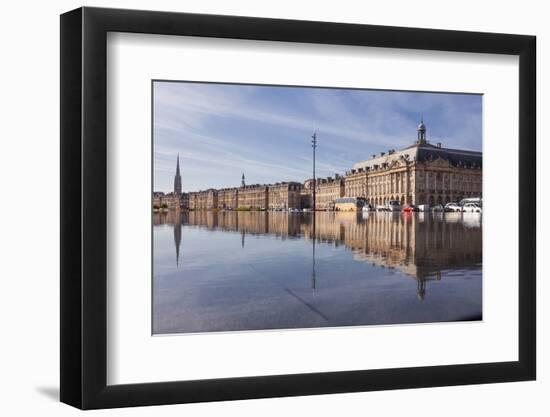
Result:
[[224, 271]]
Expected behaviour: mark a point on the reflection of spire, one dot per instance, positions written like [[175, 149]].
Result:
[[177, 239], [242, 239], [421, 289]]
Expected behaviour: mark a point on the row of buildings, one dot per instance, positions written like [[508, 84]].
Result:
[[285, 195], [422, 173]]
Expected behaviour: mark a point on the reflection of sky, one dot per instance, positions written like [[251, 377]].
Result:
[[267, 284], [223, 130]]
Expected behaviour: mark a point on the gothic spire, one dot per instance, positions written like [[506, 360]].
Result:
[[177, 177]]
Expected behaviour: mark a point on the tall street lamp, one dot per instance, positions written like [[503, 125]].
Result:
[[314, 145], [313, 277]]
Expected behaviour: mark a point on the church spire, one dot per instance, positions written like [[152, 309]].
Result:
[[177, 177], [242, 180]]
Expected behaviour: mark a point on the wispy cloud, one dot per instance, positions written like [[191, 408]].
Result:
[[223, 130]]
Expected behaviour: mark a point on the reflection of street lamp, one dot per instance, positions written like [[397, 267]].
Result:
[[314, 145], [313, 275]]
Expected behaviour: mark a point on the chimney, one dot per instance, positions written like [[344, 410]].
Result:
[[439, 144]]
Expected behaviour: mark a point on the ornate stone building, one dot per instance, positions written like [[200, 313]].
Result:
[[192, 200], [157, 199], [284, 195], [170, 201], [254, 197], [421, 173], [203, 200], [228, 198], [211, 199], [327, 191]]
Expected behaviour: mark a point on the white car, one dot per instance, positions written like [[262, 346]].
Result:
[[393, 205], [452, 207], [471, 208]]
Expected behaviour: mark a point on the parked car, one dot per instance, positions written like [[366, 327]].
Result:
[[393, 205], [475, 200], [368, 207], [409, 208], [423, 207], [453, 207], [438, 208], [471, 208]]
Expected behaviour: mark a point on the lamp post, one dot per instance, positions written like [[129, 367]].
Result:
[[313, 277], [314, 145]]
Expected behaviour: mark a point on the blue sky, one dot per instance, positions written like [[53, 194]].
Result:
[[223, 130]]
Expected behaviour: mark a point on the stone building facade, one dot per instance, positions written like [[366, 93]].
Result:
[[211, 199], [253, 197], [203, 200], [285, 195], [192, 200], [355, 184], [228, 198], [170, 201], [157, 199], [327, 191], [422, 173]]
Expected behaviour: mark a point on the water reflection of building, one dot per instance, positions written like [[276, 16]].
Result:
[[417, 245]]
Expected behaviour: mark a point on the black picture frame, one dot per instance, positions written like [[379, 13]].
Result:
[[84, 207]]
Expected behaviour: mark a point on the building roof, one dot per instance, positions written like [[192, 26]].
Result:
[[424, 152]]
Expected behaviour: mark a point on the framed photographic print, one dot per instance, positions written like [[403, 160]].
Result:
[[258, 207]]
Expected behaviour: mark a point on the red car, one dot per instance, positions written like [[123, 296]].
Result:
[[409, 208]]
